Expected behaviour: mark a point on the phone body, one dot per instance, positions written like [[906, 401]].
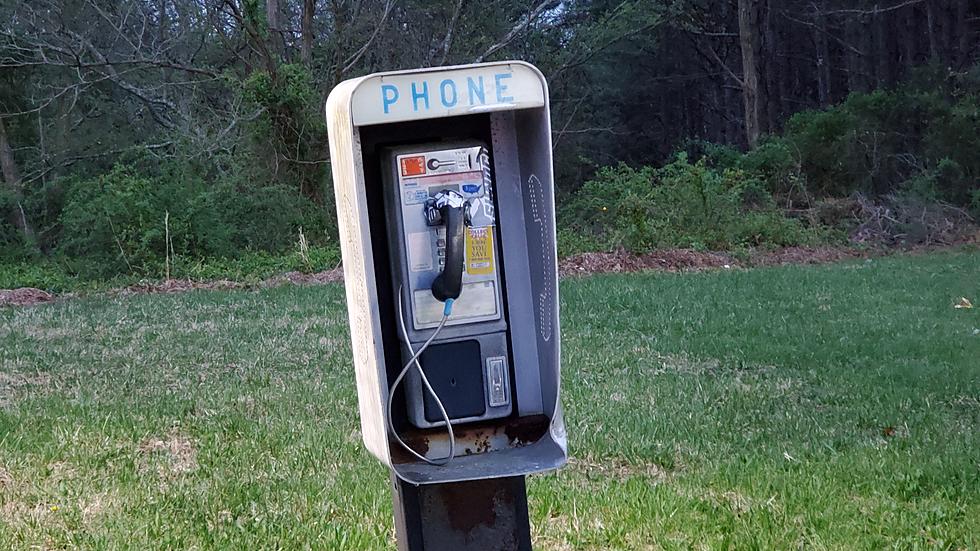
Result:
[[469, 364]]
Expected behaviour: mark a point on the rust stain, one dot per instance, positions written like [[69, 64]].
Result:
[[418, 442], [526, 430], [473, 503], [474, 438]]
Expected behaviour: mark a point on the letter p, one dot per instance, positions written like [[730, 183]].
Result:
[[389, 95]]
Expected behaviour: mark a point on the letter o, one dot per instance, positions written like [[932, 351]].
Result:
[[445, 85]]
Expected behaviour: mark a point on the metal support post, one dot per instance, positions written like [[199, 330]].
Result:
[[484, 515]]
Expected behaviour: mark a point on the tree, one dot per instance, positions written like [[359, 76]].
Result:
[[753, 68], [309, 9], [11, 178]]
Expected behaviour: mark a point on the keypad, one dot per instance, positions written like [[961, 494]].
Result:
[[441, 251]]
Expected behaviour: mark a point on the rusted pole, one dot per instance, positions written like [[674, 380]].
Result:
[[484, 515]]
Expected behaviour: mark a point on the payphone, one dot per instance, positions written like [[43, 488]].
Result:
[[442, 225], [445, 201]]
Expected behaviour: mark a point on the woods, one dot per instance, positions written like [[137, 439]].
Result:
[[115, 115]]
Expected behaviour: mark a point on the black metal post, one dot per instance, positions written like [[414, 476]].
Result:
[[484, 515]]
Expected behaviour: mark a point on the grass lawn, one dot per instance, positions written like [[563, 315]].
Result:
[[796, 407]]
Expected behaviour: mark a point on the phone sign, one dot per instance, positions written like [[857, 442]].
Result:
[[426, 94]]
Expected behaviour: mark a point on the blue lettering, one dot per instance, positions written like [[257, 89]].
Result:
[[389, 95], [471, 86], [501, 88], [445, 85], [416, 95]]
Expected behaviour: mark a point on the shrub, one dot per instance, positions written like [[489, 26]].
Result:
[[680, 205], [878, 142], [777, 163], [714, 155], [40, 274], [119, 222], [114, 223], [827, 142]]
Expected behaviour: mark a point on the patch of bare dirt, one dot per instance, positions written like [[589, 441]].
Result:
[[93, 506], [620, 261], [17, 512], [806, 255], [6, 480], [185, 285], [299, 278], [25, 296], [687, 260], [176, 286], [670, 260]]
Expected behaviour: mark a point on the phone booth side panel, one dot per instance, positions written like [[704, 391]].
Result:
[[359, 271]]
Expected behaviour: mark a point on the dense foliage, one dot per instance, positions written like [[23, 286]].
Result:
[[915, 145], [126, 220], [921, 138], [139, 135]]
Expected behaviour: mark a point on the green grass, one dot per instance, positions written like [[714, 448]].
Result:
[[799, 407]]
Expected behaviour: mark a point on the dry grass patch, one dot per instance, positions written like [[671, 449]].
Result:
[[619, 469], [6, 479], [172, 455], [14, 385]]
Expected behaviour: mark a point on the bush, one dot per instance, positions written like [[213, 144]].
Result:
[[879, 142], [42, 275], [777, 163], [119, 222], [680, 205]]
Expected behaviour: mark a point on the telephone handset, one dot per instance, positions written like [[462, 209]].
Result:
[[445, 272], [449, 207]]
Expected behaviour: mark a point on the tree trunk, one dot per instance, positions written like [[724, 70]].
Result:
[[823, 61], [753, 90], [964, 31], [883, 70], [931, 28], [339, 37], [307, 31], [272, 19], [854, 31], [11, 176], [769, 71], [909, 40]]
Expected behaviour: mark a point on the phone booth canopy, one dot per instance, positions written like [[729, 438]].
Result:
[[445, 201]]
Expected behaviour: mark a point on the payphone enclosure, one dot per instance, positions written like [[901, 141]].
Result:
[[496, 363]]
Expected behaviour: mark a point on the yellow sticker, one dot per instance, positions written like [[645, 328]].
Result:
[[479, 251]]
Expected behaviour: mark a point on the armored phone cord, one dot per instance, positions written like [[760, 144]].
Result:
[[447, 310]]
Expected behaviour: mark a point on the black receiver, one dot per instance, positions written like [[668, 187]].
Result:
[[452, 211]]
